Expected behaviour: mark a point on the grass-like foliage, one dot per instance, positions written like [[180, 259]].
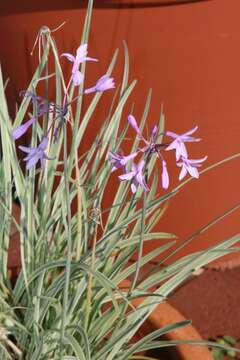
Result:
[[68, 301]]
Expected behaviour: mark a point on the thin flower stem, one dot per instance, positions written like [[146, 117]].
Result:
[[90, 279], [79, 211], [69, 244], [140, 248], [30, 201], [66, 91]]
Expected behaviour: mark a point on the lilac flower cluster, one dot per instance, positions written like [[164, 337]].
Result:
[[43, 107], [137, 175]]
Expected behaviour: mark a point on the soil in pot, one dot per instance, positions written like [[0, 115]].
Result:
[[164, 354]]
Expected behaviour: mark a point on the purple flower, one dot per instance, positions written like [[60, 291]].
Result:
[[81, 56], [34, 154], [165, 177], [103, 84], [179, 140], [118, 160], [136, 177], [190, 166], [20, 130]]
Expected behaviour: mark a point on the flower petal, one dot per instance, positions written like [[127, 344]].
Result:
[[141, 181], [165, 176], [133, 123], [190, 132], [172, 146], [87, 58], [90, 90], [154, 132], [172, 134], [26, 149], [140, 165], [81, 52], [33, 160], [70, 57], [21, 130], [133, 187], [183, 172], [197, 161], [193, 171], [43, 144], [77, 78], [127, 176], [181, 150]]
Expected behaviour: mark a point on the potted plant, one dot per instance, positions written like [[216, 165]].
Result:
[[68, 301]]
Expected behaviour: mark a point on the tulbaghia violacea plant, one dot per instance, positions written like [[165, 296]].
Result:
[[74, 295]]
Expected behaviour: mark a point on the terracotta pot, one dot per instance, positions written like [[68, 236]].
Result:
[[163, 315], [188, 54], [166, 314]]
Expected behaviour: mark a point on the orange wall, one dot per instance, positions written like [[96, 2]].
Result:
[[189, 54]]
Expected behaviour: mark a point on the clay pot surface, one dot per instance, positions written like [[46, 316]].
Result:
[[163, 315], [166, 314]]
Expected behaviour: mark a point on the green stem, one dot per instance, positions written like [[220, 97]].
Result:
[[79, 211], [140, 248], [69, 244], [90, 281], [30, 202]]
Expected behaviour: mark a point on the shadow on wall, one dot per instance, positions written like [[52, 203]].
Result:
[[23, 6]]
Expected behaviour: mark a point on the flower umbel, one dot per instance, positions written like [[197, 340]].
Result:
[[151, 147], [81, 56], [34, 154]]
